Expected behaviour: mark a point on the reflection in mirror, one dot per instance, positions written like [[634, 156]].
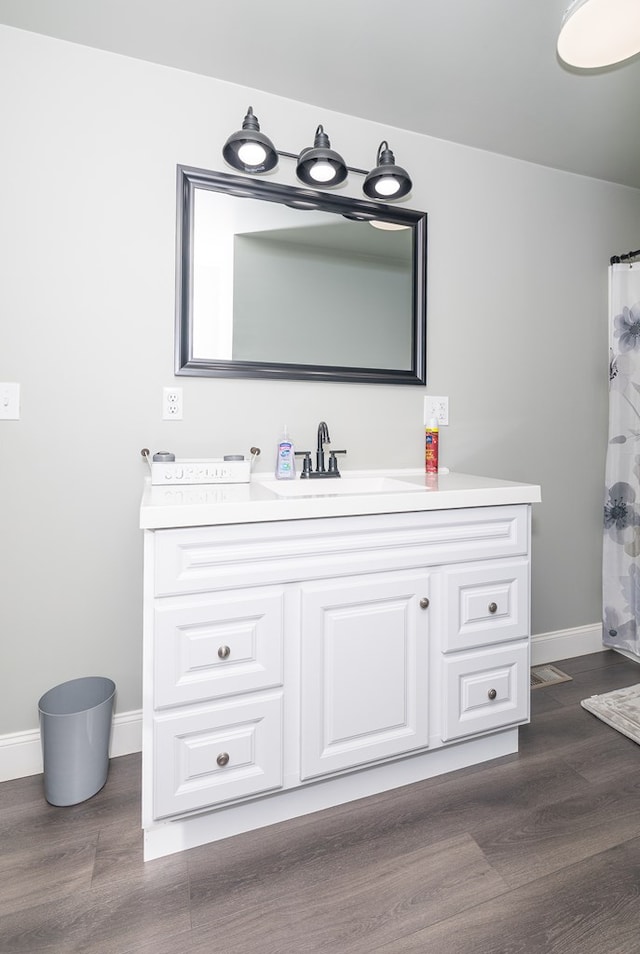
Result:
[[276, 281]]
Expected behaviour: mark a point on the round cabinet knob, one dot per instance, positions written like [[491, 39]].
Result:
[[493, 607], [492, 693], [223, 759], [424, 602], [224, 652]]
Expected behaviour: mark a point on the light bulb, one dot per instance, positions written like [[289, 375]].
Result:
[[252, 153], [322, 171], [387, 185]]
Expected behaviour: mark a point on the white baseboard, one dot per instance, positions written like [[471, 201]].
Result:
[[566, 643], [21, 752]]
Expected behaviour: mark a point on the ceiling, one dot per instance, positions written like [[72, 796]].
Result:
[[479, 72]]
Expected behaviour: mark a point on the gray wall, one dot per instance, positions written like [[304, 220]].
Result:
[[516, 330]]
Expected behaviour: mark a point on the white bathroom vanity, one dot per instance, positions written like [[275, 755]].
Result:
[[309, 643]]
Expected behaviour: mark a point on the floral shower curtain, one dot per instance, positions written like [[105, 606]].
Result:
[[621, 549]]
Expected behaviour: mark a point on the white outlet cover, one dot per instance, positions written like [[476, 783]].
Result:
[[436, 407], [172, 404], [9, 401]]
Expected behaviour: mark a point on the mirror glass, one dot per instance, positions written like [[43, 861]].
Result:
[[276, 281]]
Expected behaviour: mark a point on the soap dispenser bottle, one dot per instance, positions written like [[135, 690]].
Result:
[[285, 460]]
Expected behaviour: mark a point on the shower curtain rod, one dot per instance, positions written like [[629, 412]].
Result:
[[616, 259]]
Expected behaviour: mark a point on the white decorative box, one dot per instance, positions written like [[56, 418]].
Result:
[[200, 471]]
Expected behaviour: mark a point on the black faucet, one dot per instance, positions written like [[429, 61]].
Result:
[[321, 469], [323, 438]]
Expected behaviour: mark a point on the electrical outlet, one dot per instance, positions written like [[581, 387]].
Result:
[[172, 404], [9, 402], [436, 407]]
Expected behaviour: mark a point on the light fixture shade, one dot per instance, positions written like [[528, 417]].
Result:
[[249, 150], [598, 33], [387, 181], [319, 165]]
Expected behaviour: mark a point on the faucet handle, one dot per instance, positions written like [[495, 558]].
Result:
[[333, 463], [306, 463]]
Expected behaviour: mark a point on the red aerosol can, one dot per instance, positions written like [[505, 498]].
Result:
[[431, 441]]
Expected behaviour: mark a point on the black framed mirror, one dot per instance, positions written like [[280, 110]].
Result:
[[274, 281]]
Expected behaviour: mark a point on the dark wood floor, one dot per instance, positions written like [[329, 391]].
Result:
[[536, 852]]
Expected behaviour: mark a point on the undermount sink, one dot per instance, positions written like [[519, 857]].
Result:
[[339, 486]]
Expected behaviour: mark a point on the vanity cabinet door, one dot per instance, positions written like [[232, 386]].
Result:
[[364, 644]]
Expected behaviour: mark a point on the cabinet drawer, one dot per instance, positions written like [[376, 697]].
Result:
[[485, 603], [217, 754], [485, 690], [209, 647]]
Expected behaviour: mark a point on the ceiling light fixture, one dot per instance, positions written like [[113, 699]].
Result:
[[387, 180], [319, 166], [597, 33], [249, 150]]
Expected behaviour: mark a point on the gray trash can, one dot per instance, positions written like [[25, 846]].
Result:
[[75, 725]]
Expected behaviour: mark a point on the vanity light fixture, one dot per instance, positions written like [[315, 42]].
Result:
[[319, 166], [596, 33], [249, 150], [387, 180]]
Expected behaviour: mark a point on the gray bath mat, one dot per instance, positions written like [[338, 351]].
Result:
[[619, 709]]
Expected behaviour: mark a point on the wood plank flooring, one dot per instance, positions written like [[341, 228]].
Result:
[[536, 852]]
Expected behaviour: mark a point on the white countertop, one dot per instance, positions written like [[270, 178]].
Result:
[[210, 504]]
